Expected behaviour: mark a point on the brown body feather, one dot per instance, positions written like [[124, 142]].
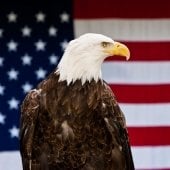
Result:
[[73, 127]]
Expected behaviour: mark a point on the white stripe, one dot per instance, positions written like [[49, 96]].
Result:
[[136, 72], [151, 157], [10, 160], [126, 29], [138, 115], [144, 158]]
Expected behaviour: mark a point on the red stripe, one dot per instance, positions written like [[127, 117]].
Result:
[[150, 136], [142, 93], [88, 9], [147, 51]]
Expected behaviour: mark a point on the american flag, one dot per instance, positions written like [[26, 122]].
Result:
[[33, 36]]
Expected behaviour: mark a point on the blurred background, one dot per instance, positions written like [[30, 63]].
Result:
[[33, 36]]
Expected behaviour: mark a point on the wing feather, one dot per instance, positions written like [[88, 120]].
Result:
[[116, 123], [29, 113]]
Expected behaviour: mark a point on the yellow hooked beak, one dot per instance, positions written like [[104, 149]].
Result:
[[118, 49]]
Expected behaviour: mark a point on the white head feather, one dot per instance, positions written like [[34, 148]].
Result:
[[83, 58]]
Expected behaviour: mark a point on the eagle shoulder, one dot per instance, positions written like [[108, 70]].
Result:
[[110, 104]]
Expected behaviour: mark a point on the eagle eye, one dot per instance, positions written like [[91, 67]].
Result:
[[105, 44]]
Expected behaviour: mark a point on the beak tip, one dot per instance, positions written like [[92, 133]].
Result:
[[128, 57], [128, 54]]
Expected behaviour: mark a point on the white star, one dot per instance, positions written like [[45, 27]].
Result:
[[1, 33], [2, 88], [13, 74], [26, 59], [52, 31], [53, 59], [26, 31], [26, 87], [13, 103], [14, 132], [1, 61], [40, 45], [64, 44], [40, 73], [40, 17], [2, 118], [12, 17], [64, 17], [12, 45]]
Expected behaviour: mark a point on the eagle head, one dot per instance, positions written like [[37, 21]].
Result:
[[84, 56]]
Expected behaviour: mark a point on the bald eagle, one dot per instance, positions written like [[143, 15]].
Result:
[[72, 119]]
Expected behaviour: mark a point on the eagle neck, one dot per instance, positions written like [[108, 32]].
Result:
[[82, 69]]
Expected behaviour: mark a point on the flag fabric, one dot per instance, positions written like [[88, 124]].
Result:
[[33, 36]]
